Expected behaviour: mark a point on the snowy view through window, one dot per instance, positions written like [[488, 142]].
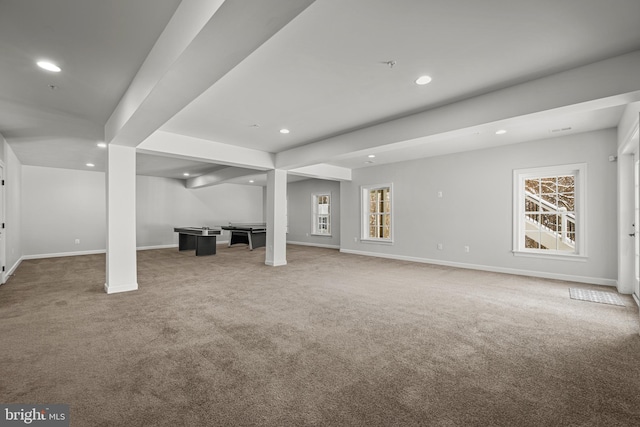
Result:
[[380, 213], [550, 217]]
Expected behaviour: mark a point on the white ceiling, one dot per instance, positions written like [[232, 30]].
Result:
[[321, 75]]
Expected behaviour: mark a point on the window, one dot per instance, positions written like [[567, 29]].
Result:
[[549, 213], [322, 214], [376, 213]]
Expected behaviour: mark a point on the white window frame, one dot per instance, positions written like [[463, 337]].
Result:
[[315, 215], [579, 170], [364, 213]]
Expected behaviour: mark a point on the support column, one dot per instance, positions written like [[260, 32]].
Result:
[[276, 218], [122, 272]]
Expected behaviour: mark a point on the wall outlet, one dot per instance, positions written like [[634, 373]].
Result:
[[77, 241], [466, 248], [440, 246]]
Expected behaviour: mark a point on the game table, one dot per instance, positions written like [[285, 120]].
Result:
[[253, 235], [202, 239]]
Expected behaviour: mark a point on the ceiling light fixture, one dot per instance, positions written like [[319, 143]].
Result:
[[90, 165], [501, 132], [49, 66], [102, 144], [251, 181], [285, 131], [423, 80], [186, 174], [371, 156]]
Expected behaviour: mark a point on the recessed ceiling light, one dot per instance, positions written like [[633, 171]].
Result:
[[423, 80], [90, 165], [284, 130], [49, 66], [186, 174], [102, 145], [501, 132], [251, 181], [371, 156]]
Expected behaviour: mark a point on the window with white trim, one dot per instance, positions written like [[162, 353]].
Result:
[[377, 208], [549, 214], [321, 214]]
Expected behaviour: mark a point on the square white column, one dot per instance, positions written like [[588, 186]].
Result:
[[122, 274], [276, 218]]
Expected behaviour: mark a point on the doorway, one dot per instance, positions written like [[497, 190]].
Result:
[[636, 225], [3, 237], [629, 216]]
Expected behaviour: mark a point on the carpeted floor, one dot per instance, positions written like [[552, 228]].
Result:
[[329, 340]]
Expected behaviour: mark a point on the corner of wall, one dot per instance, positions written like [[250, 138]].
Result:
[[628, 124]]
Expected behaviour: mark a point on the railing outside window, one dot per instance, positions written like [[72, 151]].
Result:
[[551, 218]]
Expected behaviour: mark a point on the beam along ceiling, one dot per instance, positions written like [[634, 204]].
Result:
[[334, 68]]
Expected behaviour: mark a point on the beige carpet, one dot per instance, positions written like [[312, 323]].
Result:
[[329, 340]]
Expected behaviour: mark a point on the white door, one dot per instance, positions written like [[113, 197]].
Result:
[[2, 234], [636, 224]]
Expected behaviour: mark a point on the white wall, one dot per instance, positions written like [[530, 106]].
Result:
[[628, 122], [299, 203], [61, 205], [4, 146], [476, 207]]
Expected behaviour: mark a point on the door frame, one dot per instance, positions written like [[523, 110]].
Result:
[[636, 225], [628, 152], [3, 237]]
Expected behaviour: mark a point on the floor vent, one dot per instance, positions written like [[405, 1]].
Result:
[[596, 296]]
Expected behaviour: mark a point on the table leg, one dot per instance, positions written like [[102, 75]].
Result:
[[205, 245], [186, 242]]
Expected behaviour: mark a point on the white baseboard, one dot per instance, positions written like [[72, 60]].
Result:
[[148, 248], [316, 245], [10, 271], [518, 272], [102, 251], [63, 254], [14, 267], [120, 288]]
